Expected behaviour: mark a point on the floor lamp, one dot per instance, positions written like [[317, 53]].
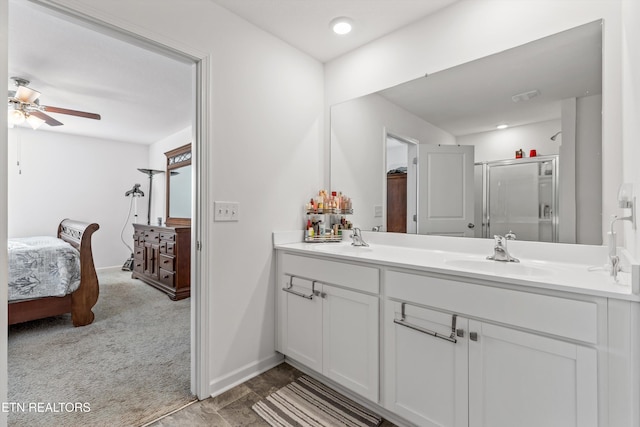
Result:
[[150, 173], [135, 193]]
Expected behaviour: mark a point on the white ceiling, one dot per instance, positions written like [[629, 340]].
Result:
[[305, 23], [477, 96], [142, 96]]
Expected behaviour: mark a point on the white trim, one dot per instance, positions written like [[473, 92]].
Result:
[[4, 386], [227, 382]]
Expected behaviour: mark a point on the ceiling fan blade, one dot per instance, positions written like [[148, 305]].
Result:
[[27, 95], [47, 119], [71, 112]]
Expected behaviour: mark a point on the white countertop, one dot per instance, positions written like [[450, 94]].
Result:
[[568, 268]]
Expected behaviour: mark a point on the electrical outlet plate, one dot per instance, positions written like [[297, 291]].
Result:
[[226, 211], [377, 211]]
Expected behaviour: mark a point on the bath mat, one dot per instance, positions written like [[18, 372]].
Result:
[[308, 403]]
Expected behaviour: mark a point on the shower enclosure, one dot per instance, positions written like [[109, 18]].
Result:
[[519, 195]]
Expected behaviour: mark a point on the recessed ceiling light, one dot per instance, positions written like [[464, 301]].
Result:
[[341, 26], [503, 126]]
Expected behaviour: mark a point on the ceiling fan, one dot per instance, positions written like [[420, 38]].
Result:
[[24, 105]]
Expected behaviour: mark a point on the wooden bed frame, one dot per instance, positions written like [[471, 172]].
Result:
[[78, 303]]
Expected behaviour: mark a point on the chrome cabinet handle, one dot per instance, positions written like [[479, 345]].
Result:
[[471, 225], [403, 322], [289, 289]]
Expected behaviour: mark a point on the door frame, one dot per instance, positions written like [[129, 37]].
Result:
[[412, 178], [200, 274]]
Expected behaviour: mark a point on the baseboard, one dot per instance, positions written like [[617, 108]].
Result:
[[219, 385]]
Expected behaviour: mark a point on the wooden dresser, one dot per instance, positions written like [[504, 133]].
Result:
[[162, 258], [397, 202]]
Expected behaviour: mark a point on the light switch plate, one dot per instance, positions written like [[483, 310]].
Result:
[[377, 211], [226, 211]]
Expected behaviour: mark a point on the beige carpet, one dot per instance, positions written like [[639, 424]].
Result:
[[129, 367]]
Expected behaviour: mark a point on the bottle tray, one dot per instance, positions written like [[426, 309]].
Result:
[[330, 211], [323, 239]]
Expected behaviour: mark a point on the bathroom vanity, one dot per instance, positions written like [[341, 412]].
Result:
[[427, 331]]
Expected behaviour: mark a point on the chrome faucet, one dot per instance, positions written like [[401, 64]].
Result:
[[500, 252], [357, 238]]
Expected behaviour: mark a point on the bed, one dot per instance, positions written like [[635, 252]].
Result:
[[66, 267]]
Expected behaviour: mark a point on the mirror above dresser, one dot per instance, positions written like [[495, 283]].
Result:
[[178, 187]]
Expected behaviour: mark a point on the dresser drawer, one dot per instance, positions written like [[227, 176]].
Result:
[[138, 252], [167, 262], [171, 237], [170, 248], [151, 237], [167, 278]]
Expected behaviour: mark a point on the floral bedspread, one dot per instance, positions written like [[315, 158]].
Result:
[[42, 266]]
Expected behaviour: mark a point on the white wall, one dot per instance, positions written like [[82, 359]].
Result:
[[266, 122], [67, 176], [469, 30], [158, 161], [631, 109]]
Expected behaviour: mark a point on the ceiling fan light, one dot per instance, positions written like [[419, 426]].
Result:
[[16, 117], [34, 122]]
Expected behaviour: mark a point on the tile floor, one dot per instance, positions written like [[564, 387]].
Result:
[[233, 408]]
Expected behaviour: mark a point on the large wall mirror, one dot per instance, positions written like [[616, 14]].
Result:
[[427, 156], [179, 186]]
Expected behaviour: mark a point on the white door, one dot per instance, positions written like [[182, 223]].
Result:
[[526, 380], [445, 190], [302, 324], [425, 376], [350, 330]]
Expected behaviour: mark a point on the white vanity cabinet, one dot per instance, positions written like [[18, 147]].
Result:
[[511, 357], [328, 320]]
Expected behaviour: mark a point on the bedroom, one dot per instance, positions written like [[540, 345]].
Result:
[[83, 168]]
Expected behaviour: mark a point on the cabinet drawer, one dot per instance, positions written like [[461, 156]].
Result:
[[138, 265], [151, 237], [171, 237], [167, 277], [554, 315], [163, 247], [138, 252], [365, 279], [170, 248], [167, 262]]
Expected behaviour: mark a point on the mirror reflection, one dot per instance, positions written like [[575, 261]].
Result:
[[509, 142], [180, 194]]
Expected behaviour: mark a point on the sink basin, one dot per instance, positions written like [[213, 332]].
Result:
[[341, 249], [498, 267]]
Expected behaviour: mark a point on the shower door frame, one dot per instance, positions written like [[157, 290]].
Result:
[[486, 190]]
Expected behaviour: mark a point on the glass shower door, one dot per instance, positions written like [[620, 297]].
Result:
[[520, 198]]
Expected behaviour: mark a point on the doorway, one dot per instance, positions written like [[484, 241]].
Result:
[[199, 132], [401, 184]]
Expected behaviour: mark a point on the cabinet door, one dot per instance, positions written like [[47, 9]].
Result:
[[522, 379], [350, 343], [425, 376], [302, 325]]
